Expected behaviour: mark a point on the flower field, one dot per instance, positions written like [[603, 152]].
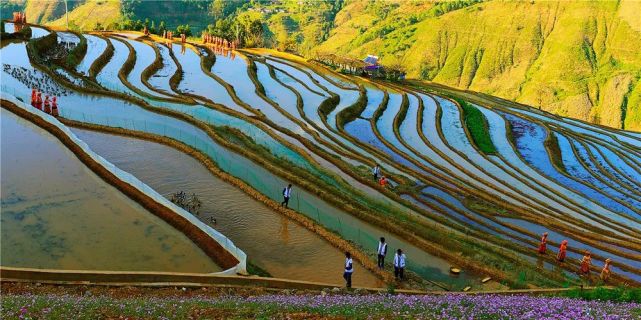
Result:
[[53, 306]]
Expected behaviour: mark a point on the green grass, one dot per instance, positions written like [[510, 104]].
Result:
[[619, 294], [478, 127]]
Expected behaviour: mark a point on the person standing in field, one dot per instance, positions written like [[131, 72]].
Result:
[[586, 262], [399, 265], [605, 273], [562, 251], [287, 193], [544, 243], [382, 252], [376, 171], [349, 269]]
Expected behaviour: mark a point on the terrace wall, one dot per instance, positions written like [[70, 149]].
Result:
[[218, 247]]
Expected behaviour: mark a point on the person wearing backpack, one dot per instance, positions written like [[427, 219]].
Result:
[[287, 193]]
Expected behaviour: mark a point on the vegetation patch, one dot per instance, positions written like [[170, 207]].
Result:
[[477, 126]]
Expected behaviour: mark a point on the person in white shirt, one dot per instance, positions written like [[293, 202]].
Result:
[[287, 193], [399, 264], [349, 269], [382, 252], [376, 171]]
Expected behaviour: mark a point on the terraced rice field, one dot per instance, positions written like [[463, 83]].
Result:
[[268, 119]]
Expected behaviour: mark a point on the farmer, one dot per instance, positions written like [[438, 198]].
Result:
[[54, 107], [605, 272], [399, 264], [33, 96], [376, 171], [349, 269], [382, 251], [562, 250], [585, 264], [382, 182], [287, 193], [47, 104], [544, 242]]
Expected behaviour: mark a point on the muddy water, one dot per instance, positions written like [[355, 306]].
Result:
[[272, 241], [58, 214]]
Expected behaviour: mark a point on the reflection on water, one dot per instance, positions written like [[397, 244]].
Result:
[[58, 214], [272, 241]]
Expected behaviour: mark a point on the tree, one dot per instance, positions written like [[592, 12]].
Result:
[[184, 29], [218, 9], [152, 29], [161, 27]]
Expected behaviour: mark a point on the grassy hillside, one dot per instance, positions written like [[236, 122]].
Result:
[[577, 59], [93, 13]]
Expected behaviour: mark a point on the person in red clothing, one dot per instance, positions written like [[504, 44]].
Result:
[[562, 251], [54, 107], [47, 108], [33, 97], [382, 181], [586, 262], [544, 243], [605, 272]]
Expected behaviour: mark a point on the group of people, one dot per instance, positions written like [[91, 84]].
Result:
[[586, 261], [399, 259], [19, 17], [46, 105], [378, 177], [219, 42], [168, 34], [381, 252]]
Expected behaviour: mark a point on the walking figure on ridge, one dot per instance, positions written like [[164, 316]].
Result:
[[376, 171], [287, 193], [382, 252], [349, 269], [544, 242], [399, 265], [562, 251], [586, 262]]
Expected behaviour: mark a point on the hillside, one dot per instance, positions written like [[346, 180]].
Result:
[[576, 59]]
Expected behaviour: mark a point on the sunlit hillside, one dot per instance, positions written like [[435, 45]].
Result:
[[577, 59], [88, 15]]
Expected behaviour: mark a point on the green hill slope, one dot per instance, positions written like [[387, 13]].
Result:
[[577, 59]]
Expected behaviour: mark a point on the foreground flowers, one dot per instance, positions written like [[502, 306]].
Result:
[[27, 306]]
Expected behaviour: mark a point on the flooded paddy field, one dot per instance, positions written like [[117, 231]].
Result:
[[272, 241], [449, 202], [57, 214]]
